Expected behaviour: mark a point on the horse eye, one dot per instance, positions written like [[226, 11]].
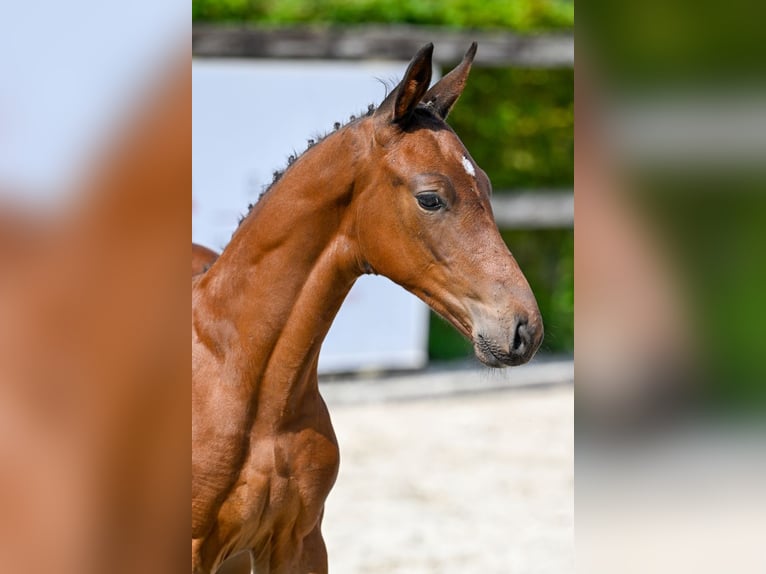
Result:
[[430, 201]]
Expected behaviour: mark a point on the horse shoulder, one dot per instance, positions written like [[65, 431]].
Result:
[[220, 429]]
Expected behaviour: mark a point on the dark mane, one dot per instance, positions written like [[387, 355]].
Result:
[[311, 142], [424, 111]]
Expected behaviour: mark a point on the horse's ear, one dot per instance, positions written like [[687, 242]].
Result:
[[444, 93], [404, 98]]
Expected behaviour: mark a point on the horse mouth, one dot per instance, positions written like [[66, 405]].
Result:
[[492, 355], [462, 326], [486, 349]]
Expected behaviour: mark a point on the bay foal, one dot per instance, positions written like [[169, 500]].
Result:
[[394, 193]]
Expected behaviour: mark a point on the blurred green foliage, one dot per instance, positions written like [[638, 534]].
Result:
[[655, 42], [712, 229], [518, 125], [520, 15]]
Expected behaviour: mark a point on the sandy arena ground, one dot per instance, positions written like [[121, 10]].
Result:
[[479, 482]]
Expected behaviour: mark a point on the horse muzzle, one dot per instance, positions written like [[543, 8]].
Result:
[[509, 347]]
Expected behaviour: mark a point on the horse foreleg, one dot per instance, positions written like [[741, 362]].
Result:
[[196, 556], [238, 564], [314, 557], [311, 558]]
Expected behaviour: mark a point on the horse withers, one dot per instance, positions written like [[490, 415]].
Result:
[[394, 192]]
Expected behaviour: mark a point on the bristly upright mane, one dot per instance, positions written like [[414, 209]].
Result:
[[292, 158]]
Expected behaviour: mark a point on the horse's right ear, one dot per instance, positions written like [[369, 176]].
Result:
[[401, 102]]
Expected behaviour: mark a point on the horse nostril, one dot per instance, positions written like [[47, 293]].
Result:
[[521, 338]]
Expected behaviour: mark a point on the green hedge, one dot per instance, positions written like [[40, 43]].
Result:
[[520, 15]]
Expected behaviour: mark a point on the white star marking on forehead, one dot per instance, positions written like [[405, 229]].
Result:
[[468, 166]]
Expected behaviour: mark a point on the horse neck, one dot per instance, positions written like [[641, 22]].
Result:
[[270, 298]]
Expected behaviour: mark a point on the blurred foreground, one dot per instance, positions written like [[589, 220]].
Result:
[[670, 207], [94, 371]]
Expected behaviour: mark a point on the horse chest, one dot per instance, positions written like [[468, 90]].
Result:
[[301, 466], [283, 483]]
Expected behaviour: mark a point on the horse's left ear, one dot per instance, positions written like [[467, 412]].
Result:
[[404, 98], [444, 93]]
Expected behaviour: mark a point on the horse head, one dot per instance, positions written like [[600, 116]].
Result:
[[428, 220]]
